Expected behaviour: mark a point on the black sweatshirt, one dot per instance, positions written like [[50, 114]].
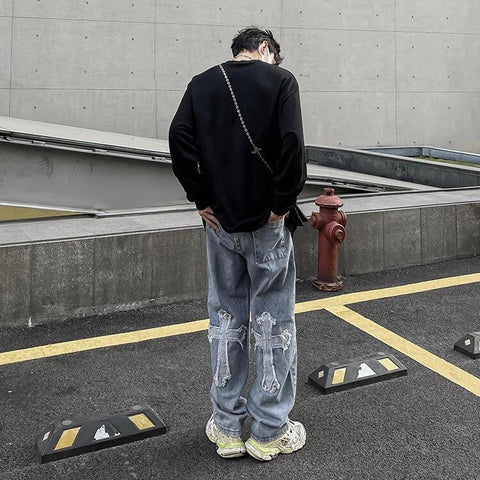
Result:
[[212, 157]]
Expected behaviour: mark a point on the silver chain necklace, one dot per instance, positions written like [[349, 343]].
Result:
[[256, 150]]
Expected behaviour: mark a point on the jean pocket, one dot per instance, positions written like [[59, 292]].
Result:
[[269, 242]]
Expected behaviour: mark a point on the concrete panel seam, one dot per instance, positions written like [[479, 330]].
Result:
[[421, 236], [152, 253], [91, 89], [94, 267], [93, 20], [30, 307], [383, 241], [443, 92], [456, 232], [11, 64], [281, 20], [432, 32], [348, 91], [232, 25], [235, 25], [396, 70], [326, 29], [155, 75]]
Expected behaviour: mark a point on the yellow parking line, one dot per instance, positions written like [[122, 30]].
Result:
[[380, 293], [424, 357], [82, 345], [85, 344]]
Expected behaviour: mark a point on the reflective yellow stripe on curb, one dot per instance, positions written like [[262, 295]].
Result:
[[67, 438]]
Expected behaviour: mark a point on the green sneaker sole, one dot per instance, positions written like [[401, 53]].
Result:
[[257, 452], [268, 452], [230, 450]]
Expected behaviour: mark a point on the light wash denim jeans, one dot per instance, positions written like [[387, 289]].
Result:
[[252, 274]]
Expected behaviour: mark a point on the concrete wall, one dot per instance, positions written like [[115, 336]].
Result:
[[65, 278], [84, 182], [386, 240], [372, 72], [58, 280]]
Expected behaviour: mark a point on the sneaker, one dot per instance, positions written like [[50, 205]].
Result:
[[292, 440], [228, 447]]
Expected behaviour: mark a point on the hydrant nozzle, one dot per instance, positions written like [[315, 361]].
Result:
[[330, 223]]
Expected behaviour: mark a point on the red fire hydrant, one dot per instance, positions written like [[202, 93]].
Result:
[[330, 223]]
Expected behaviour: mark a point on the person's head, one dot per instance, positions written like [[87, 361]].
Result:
[[256, 40]]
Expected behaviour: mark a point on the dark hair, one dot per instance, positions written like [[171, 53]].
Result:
[[250, 39]]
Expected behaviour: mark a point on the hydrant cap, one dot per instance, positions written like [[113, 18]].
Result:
[[329, 199]]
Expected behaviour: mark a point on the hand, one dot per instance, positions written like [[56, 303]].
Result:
[[210, 218], [276, 218]]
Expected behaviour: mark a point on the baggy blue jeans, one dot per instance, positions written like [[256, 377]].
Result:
[[252, 275]]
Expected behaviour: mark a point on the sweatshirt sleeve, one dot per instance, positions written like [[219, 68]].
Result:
[[185, 153], [290, 171]]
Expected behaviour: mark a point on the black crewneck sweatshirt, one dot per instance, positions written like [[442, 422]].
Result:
[[212, 156]]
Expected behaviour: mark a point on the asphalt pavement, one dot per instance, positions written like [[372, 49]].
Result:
[[422, 426]]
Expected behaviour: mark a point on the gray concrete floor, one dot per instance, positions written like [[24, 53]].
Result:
[[419, 426]]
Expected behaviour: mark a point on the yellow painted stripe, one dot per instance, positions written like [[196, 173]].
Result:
[[67, 438], [82, 345], [365, 296], [424, 357]]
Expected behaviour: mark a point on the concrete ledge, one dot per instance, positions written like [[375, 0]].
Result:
[[431, 173], [380, 241], [427, 151], [82, 272], [54, 281]]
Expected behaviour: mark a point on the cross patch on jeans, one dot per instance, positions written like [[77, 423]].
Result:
[[224, 335], [267, 342]]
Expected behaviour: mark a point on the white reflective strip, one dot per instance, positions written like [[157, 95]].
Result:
[[365, 371]]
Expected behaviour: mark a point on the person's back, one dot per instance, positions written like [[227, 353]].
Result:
[[236, 144], [242, 191]]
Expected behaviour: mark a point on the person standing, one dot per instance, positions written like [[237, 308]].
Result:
[[237, 148]]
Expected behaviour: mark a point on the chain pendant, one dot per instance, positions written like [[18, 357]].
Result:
[[256, 150]]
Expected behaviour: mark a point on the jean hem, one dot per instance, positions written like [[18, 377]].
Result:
[[271, 438], [228, 432]]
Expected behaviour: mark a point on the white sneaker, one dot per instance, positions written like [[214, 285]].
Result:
[[228, 447], [292, 440]]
